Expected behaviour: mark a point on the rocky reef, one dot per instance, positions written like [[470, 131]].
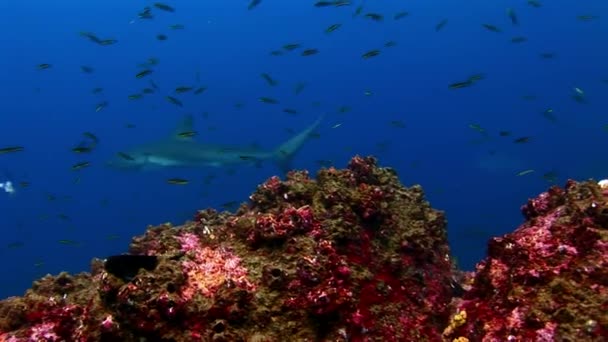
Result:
[[351, 255]]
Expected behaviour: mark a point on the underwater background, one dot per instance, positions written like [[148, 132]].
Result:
[[482, 103]]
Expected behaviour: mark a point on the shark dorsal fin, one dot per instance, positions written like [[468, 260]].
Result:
[[183, 128]]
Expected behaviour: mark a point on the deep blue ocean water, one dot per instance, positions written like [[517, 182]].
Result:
[[401, 110]]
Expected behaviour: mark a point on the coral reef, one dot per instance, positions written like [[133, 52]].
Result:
[[351, 255]]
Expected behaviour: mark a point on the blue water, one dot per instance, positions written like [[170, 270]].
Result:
[[470, 175]]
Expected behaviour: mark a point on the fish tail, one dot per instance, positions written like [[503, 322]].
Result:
[[283, 155]]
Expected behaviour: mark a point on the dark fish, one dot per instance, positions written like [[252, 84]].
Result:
[[125, 156], [522, 140], [492, 28], [177, 181], [183, 89], [332, 28], [587, 17], [518, 39], [268, 100], [90, 36], [11, 149], [291, 47], [512, 16], [299, 88], [101, 106], [135, 96], [374, 16], [200, 90], [276, 53], [44, 66], [108, 42], [458, 85], [370, 54], [81, 165], [86, 69], [548, 55], [91, 136], [82, 149], [290, 111], [401, 15], [127, 266], [310, 52], [504, 133], [174, 101], [177, 27], [534, 3], [97, 90], [323, 3], [440, 25], [253, 4], [144, 73], [187, 134], [146, 13], [161, 37], [269, 80], [164, 7], [147, 91], [390, 43]]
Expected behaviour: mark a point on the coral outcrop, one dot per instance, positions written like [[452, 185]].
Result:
[[350, 255]]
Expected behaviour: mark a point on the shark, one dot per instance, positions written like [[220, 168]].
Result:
[[177, 150]]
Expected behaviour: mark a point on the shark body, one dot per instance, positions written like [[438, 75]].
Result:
[[175, 151]]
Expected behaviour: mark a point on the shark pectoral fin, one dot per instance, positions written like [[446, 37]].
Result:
[[284, 154]]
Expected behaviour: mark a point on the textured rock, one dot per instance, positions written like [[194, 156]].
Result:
[[349, 256]]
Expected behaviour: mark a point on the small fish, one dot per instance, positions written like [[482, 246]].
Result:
[[336, 125], [253, 4], [549, 115], [291, 47], [440, 25], [177, 27], [268, 100], [135, 97], [519, 39], [332, 28], [550, 176], [370, 54], [491, 28], [290, 111], [68, 242], [164, 7], [323, 3], [512, 16], [91, 136], [299, 87], [374, 16], [504, 133], [101, 106], [458, 85], [401, 15], [535, 3], [269, 80], [174, 101], [587, 17], [199, 90], [276, 53], [11, 149], [177, 181], [86, 69], [390, 43], [522, 140], [108, 42], [397, 123], [477, 128], [97, 90], [187, 134], [125, 156], [44, 66], [547, 55], [82, 149], [144, 73], [525, 172], [183, 89], [309, 52], [81, 165], [146, 13], [161, 37]]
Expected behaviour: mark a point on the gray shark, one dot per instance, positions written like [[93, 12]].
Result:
[[178, 151]]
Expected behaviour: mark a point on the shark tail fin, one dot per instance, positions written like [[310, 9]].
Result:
[[283, 155]]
